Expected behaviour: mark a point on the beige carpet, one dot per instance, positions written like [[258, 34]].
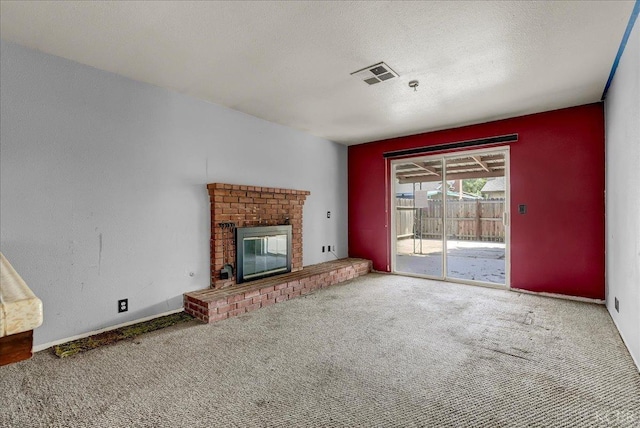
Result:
[[378, 351]]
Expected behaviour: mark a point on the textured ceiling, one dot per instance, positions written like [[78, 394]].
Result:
[[290, 62]]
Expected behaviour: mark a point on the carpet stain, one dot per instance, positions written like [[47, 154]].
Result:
[[262, 403], [507, 353]]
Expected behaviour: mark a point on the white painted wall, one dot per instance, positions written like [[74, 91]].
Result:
[[103, 188], [622, 115]]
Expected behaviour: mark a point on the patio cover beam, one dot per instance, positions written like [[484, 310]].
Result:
[[430, 170], [459, 176], [484, 165]]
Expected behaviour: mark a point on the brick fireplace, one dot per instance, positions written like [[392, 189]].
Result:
[[250, 206]]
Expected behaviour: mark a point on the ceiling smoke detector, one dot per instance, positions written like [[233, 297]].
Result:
[[375, 73]]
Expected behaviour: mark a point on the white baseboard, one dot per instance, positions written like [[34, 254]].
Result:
[[44, 346], [587, 300], [560, 296], [633, 357]]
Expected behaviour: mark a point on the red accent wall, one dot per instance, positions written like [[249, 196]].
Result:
[[557, 170]]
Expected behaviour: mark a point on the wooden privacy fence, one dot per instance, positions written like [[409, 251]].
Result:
[[477, 220]]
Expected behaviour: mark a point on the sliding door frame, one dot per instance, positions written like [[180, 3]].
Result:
[[506, 220]]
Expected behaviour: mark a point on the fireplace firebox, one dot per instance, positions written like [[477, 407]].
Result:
[[262, 251]]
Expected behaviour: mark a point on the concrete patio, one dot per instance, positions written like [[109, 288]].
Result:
[[468, 260]]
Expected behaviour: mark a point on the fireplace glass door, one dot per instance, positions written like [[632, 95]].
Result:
[[264, 254], [263, 251]]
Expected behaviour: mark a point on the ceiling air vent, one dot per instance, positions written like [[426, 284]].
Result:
[[375, 73]]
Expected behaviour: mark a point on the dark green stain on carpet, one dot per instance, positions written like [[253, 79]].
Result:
[[122, 333]]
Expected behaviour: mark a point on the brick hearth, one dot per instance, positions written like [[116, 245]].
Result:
[[248, 206], [212, 305]]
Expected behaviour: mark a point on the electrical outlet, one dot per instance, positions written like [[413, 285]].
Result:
[[522, 209], [328, 214], [616, 303], [323, 248], [123, 305]]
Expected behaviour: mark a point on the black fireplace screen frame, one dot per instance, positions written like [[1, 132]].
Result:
[[256, 232]]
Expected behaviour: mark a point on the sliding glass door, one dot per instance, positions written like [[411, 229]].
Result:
[[450, 217], [418, 220]]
